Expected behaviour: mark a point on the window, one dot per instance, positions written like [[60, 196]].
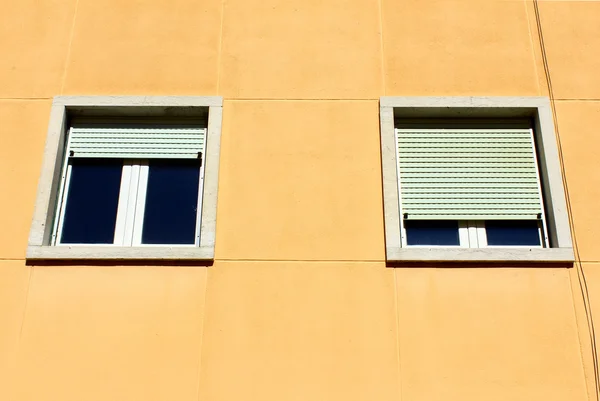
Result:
[[129, 178], [131, 185], [463, 180], [472, 179]]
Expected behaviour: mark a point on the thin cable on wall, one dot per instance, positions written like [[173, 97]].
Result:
[[583, 286]]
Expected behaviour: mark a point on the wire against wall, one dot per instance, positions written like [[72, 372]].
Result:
[[578, 265]]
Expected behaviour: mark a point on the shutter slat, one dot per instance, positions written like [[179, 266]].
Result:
[[468, 174], [461, 195], [423, 160], [143, 139], [462, 174], [133, 145], [466, 147], [137, 143], [132, 155], [491, 167], [485, 156], [439, 181], [450, 140], [510, 215], [133, 130], [476, 202]]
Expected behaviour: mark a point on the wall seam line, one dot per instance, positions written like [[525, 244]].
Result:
[[577, 265], [220, 49], [398, 354], [25, 98], [576, 100], [305, 260], [68, 57], [535, 66], [579, 331], [270, 99], [383, 86], [202, 335], [30, 278]]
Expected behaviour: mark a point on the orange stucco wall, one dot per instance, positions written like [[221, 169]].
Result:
[[299, 304]]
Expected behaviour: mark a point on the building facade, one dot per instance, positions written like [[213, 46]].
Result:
[[298, 297]]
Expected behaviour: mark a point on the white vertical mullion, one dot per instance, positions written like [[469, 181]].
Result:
[[138, 208], [481, 234], [464, 234], [473, 240], [65, 179], [62, 203], [543, 234], [123, 207]]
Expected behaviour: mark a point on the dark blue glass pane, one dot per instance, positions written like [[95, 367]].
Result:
[[92, 201], [171, 202], [512, 232], [432, 232]]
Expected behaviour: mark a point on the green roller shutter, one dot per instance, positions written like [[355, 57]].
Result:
[[468, 174], [136, 143]]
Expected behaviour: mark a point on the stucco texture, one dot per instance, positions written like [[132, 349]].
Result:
[[123, 333], [14, 286], [289, 330], [298, 331], [493, 334], [144, 47], [458, 48], [299, 303], [22, 136], [319, 159], [308, 49], [572, 38], [34, 43], [577, 123]]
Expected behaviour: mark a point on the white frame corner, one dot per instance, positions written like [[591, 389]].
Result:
[[560, 249], [40, 246]]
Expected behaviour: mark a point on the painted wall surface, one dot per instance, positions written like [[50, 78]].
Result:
[[299, 303]]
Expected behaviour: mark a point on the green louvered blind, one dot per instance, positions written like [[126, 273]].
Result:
[[136, 143], [468, 174]]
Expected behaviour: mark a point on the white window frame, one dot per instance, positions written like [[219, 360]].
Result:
[[557, 237], [130, 209], [44, 238]]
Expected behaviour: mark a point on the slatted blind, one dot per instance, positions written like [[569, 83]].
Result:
[[136, 143], [468, 174]]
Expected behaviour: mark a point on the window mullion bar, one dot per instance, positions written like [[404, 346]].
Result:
[[473, 234], [481, 234], [123, 207], [463, 234], [62, 203], [62, 194], [140, 203], [131, 204]]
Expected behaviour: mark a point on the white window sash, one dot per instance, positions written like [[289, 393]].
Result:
[[62, 204], [131, 206]]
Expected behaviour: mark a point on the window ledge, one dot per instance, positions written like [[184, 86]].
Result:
[[116, 253], [519, 255]]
